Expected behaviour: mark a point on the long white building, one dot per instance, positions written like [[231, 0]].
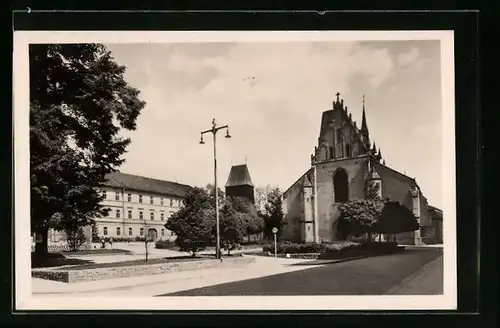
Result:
[[138, 206]]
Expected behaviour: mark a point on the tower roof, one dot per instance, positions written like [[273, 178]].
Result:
[[364, 124], [239, 176]]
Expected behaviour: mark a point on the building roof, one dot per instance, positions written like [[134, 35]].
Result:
[[239, 176], [141, 183], [435, 212]]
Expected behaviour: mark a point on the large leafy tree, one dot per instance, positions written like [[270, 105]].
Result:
[[273, 212], [253, 221], [358, 217], [79, 103], [395, 218], [193, 223], [233, 226]]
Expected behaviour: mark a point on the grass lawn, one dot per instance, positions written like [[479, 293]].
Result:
[[139, 262]]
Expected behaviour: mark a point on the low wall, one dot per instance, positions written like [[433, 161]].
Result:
[[74, 276]]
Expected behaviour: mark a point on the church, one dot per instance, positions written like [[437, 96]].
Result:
[[343, 165]]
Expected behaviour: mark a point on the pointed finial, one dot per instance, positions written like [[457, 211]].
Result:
[[338, 96], [213, 122], [363, 100]]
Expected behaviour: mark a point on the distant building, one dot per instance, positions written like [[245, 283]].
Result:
[[239, 183], [433, 234], [344, 166], [138, 206]]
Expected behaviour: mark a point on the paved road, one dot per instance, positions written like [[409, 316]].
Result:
[[370, 276]]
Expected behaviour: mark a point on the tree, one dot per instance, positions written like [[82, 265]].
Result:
[[253, 221], [193, 223], [76, 238], [233, 226], [273, 212], [79, 103], [395, 218], [359, 216], [95, 233], [210, 190]]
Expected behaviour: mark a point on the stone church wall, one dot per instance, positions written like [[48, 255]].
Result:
[[328, 210], [396, 186], [293, 212]]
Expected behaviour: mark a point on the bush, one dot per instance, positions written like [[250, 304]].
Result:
[[165, 244], [295, 248], [120, 239]]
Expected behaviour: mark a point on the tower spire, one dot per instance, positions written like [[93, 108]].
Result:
[[364, 125]]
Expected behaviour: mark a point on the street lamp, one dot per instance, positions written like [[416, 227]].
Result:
[[214, 130]]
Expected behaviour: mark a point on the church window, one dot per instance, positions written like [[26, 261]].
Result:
[[322, 153], [348, 150], [341, 186], [339, 136], [331, 152]]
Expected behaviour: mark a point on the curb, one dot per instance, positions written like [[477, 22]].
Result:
[[119, 287], [331, 261], [412, 277]]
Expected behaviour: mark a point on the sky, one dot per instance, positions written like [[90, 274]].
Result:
[[272, 96]]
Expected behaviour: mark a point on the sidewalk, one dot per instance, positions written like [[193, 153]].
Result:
[[426, 281], [151, 285]]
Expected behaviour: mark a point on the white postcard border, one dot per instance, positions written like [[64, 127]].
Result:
[[26, 301]]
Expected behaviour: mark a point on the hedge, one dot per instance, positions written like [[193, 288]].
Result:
[[165, 244], [298, 248]]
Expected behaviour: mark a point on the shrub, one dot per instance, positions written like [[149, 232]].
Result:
[[295, 248], [120, 239], [165, 244]]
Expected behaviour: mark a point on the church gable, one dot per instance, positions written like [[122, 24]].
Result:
[[339, 136]]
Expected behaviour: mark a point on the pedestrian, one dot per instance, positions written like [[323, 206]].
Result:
[[110, 242], [103, 243]]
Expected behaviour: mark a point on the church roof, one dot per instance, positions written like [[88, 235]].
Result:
[[239, 176], [140, 183]]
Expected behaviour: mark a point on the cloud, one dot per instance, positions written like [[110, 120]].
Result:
[[274, 120], [409, 57]]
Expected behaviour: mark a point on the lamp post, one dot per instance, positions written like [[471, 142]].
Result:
[[214, 130]]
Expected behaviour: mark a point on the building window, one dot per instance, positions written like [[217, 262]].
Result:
[[118, 231], [171, 203], [163, 232], [104, 194], [140, 198], [105, 231], [117, 196], [129, 197], [162, 216], [332, 152], [152, 215], [341, 186], [140, 215], [117, 214], [161, 201], [129, 214], [151, 201], [130, 231], [141, 232]]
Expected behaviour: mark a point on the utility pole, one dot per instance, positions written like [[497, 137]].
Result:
[[214, 130]]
